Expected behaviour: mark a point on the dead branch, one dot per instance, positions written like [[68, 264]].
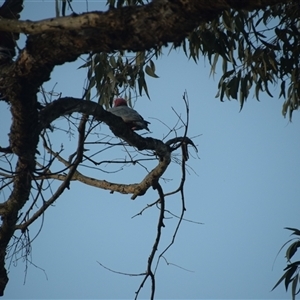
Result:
[[160, 225]]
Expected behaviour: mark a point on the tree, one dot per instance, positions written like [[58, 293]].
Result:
[[223, 29]]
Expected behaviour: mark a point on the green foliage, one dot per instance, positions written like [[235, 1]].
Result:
[[121, 72], [120, 3], [61, 7], [118, 73], [291, 274], [262, 49]]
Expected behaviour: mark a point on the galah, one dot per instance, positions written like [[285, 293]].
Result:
[[129, 115]]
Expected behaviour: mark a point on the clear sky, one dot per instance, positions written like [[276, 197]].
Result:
[[243, 187]]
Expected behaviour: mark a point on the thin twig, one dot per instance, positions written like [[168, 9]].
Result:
[[121, 273], [160, 225]]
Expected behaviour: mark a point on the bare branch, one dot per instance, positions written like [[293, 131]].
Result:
[[121, 273], [66, 182], [6, 150], [172, 264], [160, 225], [183, 209], [186, 220], [146, 207]]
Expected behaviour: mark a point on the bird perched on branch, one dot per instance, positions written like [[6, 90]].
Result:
[[129, 115]]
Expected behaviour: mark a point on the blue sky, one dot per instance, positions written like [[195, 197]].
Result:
[[243, 187]]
